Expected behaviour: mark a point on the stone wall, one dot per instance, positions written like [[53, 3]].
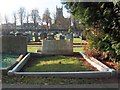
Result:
[[54, 47], [13, 44]]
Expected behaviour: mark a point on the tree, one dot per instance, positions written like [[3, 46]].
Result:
[[54, 16], [35, 16], [27, 18], [0, 19], [46, 17], [103, 20], [6, 19], [22, 14], [6, 22], [15, 19]]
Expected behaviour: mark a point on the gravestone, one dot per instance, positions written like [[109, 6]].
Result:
[[36, 37], [29, 37], [57, 47], [13, 44], [24, 34], [12, 34], [69, 36], [83, 37], [18, 34], [50, 37], [61, 37], [43, 36]]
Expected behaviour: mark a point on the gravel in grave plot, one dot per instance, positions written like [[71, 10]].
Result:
[[8, 60]]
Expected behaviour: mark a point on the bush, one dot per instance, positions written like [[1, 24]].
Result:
[[107, 45]]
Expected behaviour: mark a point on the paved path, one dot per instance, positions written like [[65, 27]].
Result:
[[113, 85]]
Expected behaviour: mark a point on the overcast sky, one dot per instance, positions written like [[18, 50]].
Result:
[[7, 7]]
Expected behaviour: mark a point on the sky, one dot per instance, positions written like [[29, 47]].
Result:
[[8, 7]]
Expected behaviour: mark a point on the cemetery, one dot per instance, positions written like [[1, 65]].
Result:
[[50, 46], [56, 56], [59, 53], [53, 56]]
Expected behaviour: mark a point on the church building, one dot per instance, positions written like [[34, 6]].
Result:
[[60, 21]]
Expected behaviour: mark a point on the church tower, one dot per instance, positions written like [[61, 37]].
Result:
[[59, 12], [60, 21]]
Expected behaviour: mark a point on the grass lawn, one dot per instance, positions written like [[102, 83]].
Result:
[[35, 48], [51, 80], [78, 49], [39, 43], [78, 40], [75, 40], [56, 64]]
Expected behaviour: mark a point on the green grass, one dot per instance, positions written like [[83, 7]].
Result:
[[78, 49], [35, 48], [75, 40], [78, 40], [49, 80], [56, 64]]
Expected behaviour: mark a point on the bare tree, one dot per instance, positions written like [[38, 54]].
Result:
[[46, 17], [22, 14], [6, 22], [27, 17], [35, 16], [0, 19], [15, 19], [6, 19], [54, 16]]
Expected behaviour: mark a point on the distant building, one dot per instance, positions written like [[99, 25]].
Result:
[[31, 26], [9, 26], [60, 21]]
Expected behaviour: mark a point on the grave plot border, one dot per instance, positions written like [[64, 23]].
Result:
[[5, 70], [103, 70]]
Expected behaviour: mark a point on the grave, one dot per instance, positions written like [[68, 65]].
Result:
[[69, 36], [43, 36], [13, 44], [36, 37], [12, 34], [50, 37], [56, 50], [18, 34], [83, 37], [30, 37], [61, 37], [55, 47]]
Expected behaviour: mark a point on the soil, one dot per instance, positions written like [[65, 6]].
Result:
[[111, 64]]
